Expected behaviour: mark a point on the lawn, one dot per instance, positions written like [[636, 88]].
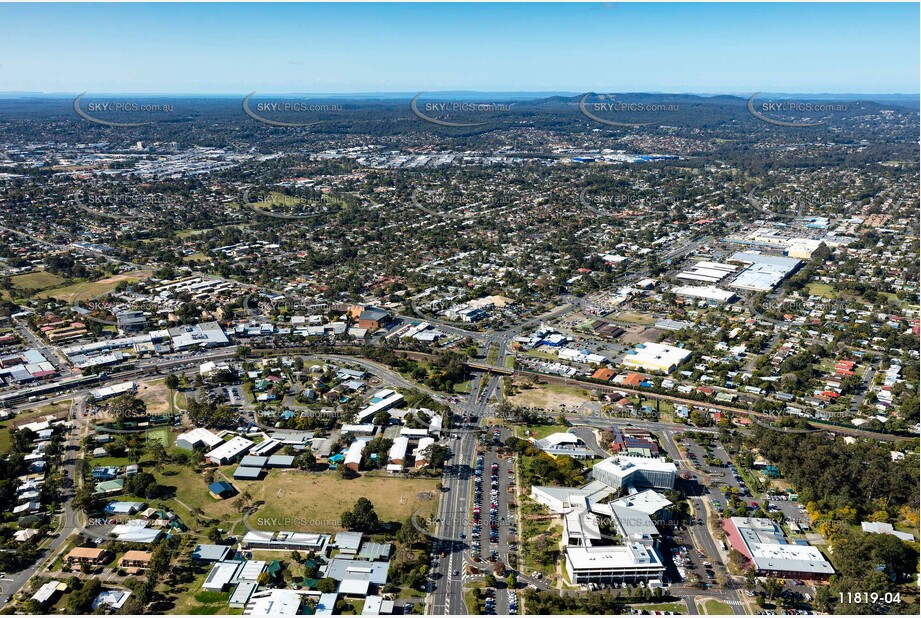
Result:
[[717, 608], [539, 432], [492, 354], [196, 601], [314, 502]]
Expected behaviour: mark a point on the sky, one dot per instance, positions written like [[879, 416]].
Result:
[[360, 48]]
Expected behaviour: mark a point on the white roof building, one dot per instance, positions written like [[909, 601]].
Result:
[[398, 451], [705, 292], [624, 471], [205, 335], [229, 451], [198, 437], [275, 602], [656, 357]]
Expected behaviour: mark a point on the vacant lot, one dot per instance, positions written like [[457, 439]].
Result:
[[29, 416], [548, 396], [316, 501], [90, 289], [39, 280]]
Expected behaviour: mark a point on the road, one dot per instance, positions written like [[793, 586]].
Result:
[[70, 520]]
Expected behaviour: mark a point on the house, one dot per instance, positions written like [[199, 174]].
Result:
[[87, 555], [123, 508], [111, 599], [48, 591], [604, 373]]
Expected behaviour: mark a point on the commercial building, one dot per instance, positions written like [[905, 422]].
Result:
[[564, 443], [707, 272], [624, 471], [655, 357], [762, 543], [764, 272], [613, 563], [204, 335], [100, 394], [709, 293]]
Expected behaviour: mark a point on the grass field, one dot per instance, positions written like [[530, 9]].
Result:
[[678, 608], [717, 608], [492, 354], [317, 500], [86, 290], [824, 290], [633, 318], [192, 491], [39, 280]]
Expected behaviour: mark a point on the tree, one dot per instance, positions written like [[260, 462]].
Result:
[[214, 535], [172, 382], [490, 580], [87, 500], [511, 581], [306, 461], [772, 587], [156, 450], [362, 517], [750, 581], [327, 584]]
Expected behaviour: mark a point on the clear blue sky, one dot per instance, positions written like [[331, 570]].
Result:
[[347, 48]]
